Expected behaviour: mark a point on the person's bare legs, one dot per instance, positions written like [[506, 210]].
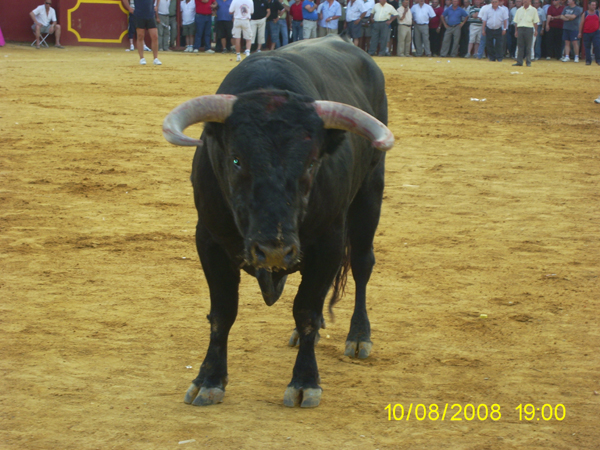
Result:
[[141, 33], [56, 34], [37, 36], [248, 44], [153, 32]]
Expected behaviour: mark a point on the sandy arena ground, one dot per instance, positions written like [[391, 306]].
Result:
[[490, 208]]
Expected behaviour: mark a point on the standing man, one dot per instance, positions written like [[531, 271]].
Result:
[[554, 28], [435, 28], [355, 12], [405, 20], [223, 26], [474, 22], [589, 29], [382, 16], [242, 11], [422, 13], [258, 22], [297, 20], [203, 25], [164, 32], [570, 16], [526, 20], [273, 25], [495, 23], [329, 13], [453, 19], [537, 41], [309, 22], [145, 19], [188, 21], [173, 23], [44, 21]]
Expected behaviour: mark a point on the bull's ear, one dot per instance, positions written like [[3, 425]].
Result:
[[333, 139], [216, 131]]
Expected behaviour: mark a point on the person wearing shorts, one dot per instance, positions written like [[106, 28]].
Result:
[[242, 12], [355, 12], [258, 21], [188, 21], [145, 19], [571, 16], [44, 21]]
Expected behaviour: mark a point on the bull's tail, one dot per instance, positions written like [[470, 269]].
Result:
[[339, 285]]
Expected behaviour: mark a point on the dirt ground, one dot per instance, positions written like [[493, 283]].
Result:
[[491, 207]]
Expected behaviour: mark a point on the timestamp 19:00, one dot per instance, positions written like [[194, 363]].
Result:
[[458, 412]]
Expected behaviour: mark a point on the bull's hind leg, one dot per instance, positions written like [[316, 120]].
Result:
[[363, 218], [223, 280]]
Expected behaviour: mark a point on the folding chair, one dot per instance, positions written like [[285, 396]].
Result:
[[43, 42]]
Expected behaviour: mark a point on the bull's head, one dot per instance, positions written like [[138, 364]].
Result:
[[272, 143]]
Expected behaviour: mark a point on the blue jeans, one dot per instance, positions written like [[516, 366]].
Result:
[[272, 30], [538, 43], [284, 33], [297, 30], [481, 47], [588, 40], [203, 25]]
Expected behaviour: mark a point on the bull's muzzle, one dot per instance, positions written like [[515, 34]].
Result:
[[273, 257]]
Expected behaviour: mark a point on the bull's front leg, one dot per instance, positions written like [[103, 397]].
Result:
[[320, 269], [223, 281]]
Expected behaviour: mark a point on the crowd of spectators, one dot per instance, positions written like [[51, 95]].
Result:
[[524, 30]]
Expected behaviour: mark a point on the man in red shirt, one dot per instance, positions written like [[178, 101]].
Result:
[[203, 25], [435, 28], [554, 28], [296, 13]]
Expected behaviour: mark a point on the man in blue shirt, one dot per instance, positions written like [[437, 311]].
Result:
[[310, 16], [453, 19], [329, 12], [223, 26]]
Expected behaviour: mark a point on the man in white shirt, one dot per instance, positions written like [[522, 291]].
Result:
[[421, 13], [495, 23], [188, 22], [242, 11], [382, 15], [405, 20], [44, 21], [163, 25]]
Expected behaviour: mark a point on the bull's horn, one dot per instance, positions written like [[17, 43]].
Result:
[[209, 108], [346, 117]]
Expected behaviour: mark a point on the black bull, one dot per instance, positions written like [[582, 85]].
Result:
[[280, 187]]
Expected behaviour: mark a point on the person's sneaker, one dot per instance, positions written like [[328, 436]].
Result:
[[238, 58], [146, 48], [223, 51], [131, 48], [210, 50], [247, 53], [157, 62], [565, 59], [576, 59], [467, 55], [548, 58], [588, 63], [143, 61], [196, 50], [597, 100]]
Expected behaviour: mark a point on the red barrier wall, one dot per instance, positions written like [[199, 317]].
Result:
[[83, 22]]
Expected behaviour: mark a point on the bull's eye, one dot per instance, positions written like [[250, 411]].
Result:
[[236, 163]]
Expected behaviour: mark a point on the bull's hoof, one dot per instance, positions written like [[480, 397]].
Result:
[[305, 398], [203, 396], [360, 350], [295, 338]]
